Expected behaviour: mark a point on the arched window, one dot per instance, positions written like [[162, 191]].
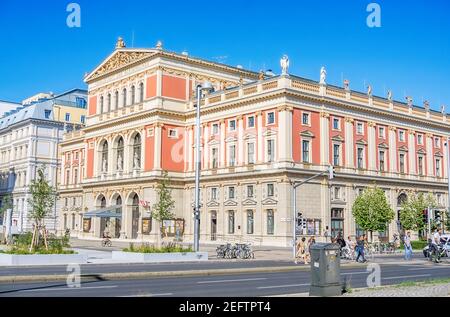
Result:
[[141, 92], [116, 100], [401, 199], [119, 201], [124, 96], [103, 202], [108, 109], [104, 156], [120, 147], [133, 95], [101, 104], [137, 151]]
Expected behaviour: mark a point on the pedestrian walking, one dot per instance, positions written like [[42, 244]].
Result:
[[301, 251], [360, 248], [408, 247]]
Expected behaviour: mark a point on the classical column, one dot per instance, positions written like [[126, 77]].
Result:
[[240, 144], [111, 159], [159, 82], [371, 147], [190, 148], [223, 133], [284, 135], [324, 139], [157, 144], [393, 149], [349, 149], [430, 154], [412, 152], [205, 146], [260, 141]]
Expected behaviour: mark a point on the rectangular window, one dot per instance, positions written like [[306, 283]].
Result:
[[251, 122], [67, 117], [214, 193], [83, 119], [401, 136], [438, 167], [215, 129], [250, 222], [271, 118], [336, 154], [230, 222], [75, 177], [251, 153], [381, 160], [402, 163], [337, 193], [232, 125], [305, 118], [173, 133], [80, 102], [47, 114], [270, 190], [270, 222], [420, 165], [250, 191], [336, 125], [231, 193], [420, 139], [359, 128], [270, 150], [437, 142], [215, 158], [360, 154], [232, 155], [381, 132], [305, 151]]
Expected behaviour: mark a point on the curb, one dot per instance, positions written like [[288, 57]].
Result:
[[138, 275]]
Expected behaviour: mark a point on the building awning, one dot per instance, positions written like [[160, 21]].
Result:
[[109, 212]]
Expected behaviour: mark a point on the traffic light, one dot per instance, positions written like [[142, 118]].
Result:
[[330, 172], [437, 217], [425, 216]]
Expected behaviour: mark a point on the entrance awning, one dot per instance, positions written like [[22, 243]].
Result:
[[110, 212]]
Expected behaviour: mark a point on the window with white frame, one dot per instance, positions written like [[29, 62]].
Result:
[[359, 128], [438, 167], [360, 157], [270, 222], [250, 221], [270, 118], [231, 222], [420, 164], [232, 155], [250, 191], [336, 154], [402, 163], [232, 125], [306, 152], [381, 132], [251, 152], [420, 139], [337, 193], [437, 142], [215, 157], [381, 160], [336, 124], [401, 136], [305, 118], [231, 192], [215, 129], [173, 133], [250, 122], [270, 150], [214, 193], [270, 190]]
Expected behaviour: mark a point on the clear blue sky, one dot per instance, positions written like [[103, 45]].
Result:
[[409, 54]]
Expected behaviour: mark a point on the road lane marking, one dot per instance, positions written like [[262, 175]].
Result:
[[429, 268], [355, 273], [67, 288], [148, 295], [282, 286], [229, 281], [404, 276]]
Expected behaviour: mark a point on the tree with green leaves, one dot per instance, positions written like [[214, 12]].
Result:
[[6, 203], [372, 211], [162, 210], [411, 212], [42, 201]]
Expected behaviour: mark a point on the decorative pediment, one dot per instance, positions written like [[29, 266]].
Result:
[[438, 154], [213, 142], [249, 202], [421, 151], [361, 142], [230, 203], [119, 59], [250, 136], [269, 201], [270, 132], [403, 148], [213, 203], [383, 145], [337, 138], [231, 139], [307, 134]]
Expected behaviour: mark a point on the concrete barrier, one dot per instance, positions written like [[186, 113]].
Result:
[[159, 257], [42, 259]]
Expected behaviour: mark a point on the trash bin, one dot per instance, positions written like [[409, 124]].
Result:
[[325, 270]]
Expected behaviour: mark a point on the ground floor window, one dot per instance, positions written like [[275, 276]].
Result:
[[337, 222], [230, 222], [65, 221], [270, 222], [250, 222], [73, 221]]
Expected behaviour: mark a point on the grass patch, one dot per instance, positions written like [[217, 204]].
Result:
[[149, 248], [21, 251]]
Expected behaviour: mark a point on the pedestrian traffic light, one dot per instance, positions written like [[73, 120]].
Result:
[[330, 172]]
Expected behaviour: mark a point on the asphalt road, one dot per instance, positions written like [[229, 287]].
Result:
[[236, 285]]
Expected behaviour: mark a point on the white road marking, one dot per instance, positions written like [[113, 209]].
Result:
[[429, 268], [67, 288], [229, 281], [148, 295], [283, 286], [352, 273], [404, 276]]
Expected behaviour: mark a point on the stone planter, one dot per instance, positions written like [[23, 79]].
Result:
[[42, 259], [128, 257]]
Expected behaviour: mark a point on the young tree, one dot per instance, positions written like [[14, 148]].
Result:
[[42, 200], [411, 213], [162, 210], [6, 203], [372, 211]]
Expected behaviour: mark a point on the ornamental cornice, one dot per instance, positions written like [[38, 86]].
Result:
[[349, 120], [391, 128], [410, 131], [324, 114], [371, 124], [285, 108], [258, 113], [239, 117]]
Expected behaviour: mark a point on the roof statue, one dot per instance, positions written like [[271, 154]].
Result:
[[389, 95], [369, 90], [120, 43], [346, 84], [426, 105], [284, 63], [323, 75], [443, 109], [409, 101], [159, 45]]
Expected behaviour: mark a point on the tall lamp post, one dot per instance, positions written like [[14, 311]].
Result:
[[200, 89]]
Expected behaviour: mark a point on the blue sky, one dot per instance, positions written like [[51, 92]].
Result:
[[409, 54]]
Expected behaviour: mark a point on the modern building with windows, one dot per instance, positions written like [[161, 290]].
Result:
[[260, 133], [29, 137]]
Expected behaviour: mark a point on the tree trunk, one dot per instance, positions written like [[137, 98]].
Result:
[[158, 235]]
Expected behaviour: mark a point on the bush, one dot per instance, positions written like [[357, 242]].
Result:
[[148, 248], [22, 242], [416, 245]]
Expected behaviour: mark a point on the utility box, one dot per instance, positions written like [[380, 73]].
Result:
[[325, 270]]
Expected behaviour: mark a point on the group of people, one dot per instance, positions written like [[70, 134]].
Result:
[[303, 248]]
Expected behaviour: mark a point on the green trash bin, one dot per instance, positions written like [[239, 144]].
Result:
[[325, 270]]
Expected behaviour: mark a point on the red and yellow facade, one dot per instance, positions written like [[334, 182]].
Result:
[[258, 135]]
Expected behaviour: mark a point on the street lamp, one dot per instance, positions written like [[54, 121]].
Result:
[[200, 89]]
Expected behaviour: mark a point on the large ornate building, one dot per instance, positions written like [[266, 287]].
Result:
[[259, 134], [29, 137]]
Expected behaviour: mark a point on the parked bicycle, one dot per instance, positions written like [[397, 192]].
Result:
[[106, 242], [238, 251]]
